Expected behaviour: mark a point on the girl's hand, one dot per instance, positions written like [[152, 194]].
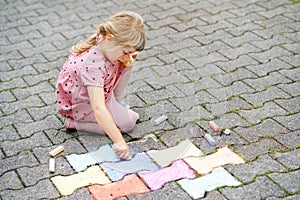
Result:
[[122, 150]]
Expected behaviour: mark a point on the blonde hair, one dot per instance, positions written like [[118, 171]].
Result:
[[127, 28]]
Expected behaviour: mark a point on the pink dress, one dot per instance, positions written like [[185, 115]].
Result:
[[91, 68]]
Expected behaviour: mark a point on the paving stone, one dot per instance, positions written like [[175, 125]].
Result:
[[166, 156], [11, 148], [169, 191], [262, 83], [149, 142], [293, 88], [246, 172], [196, 188], [251, 151], [156, 179], [93, 175], [290, 140], [269, 110], [237, 88], [28, 129], [268, 128], [71, 146], [291, 73], [32, 175], [293, 197], [288, 159], [82, 161], [265, 68], [117, 170], [223, 156], [43, 190], [266, 56], [260, 189], [290, 122], [10, 180], [8, 133], [24, 159], [232, 105], [289, 181], [119, 189]]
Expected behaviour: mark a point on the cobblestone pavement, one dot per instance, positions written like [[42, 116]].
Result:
[[232, 61]]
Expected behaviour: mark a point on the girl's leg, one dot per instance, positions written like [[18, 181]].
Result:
[[124, 118]]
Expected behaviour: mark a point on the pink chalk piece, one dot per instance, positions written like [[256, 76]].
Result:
[[156, 179], [130, 184]]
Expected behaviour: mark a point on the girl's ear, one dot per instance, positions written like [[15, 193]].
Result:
[[110, 37]]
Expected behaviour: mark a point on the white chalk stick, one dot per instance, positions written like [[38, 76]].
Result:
[[51, 165], [160, 120], [56, 151]]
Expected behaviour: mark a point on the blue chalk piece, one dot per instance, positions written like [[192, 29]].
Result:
[[117, 170], [82, 161]]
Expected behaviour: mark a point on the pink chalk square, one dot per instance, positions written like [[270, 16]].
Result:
[[130, 184], [156, 179]]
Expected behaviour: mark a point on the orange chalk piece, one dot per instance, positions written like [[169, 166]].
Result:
[[56, 151], [130, 184], [214, 126]]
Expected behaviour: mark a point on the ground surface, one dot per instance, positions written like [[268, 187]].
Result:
[[232, 61]]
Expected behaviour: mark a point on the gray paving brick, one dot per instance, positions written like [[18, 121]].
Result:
[[292, 88], [268, 128], [288, 159], [247, 172], [268, 110], [260, 189], [23, 93], [13, 83], [15, 118], [266, 56], [292, 60], [263, 146], [44, 189], [234, 53], [288, 181], [292, 197], [10, 180], [241, 61], [290, 121], [230, 120], [24, 159], [39, 113], [30, 176], [265, 68], [239, 74], [289, 104], [236, 89], [240, 30], [233, 105], [210, 28], [145, 145], [8, 133], [32, 101], [269, 43], [9, 75], [29, 128], [217, 35], [290, 140], [239, 40], [260, 98], [271, 31]]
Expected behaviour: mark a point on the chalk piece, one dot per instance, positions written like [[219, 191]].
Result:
[[56, 151], [227, 132], [210, 140], [160, 120], [51, 165], [214, 126]]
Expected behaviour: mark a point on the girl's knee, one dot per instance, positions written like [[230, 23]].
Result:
[[130, 123]]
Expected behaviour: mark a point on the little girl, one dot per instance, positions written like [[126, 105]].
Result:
[[94, 78]]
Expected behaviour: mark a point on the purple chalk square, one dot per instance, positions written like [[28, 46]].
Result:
[[158, 178]]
